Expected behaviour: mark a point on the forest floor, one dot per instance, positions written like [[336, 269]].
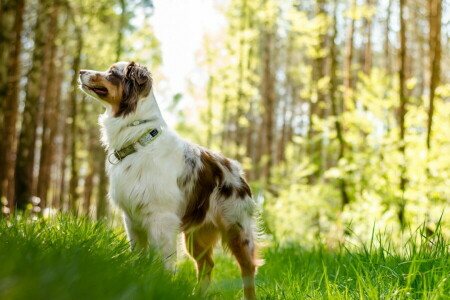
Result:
[[73, 258]]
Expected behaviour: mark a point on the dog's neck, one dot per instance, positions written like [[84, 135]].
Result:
[[118, 132]]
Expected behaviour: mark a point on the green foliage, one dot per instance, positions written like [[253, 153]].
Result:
[[313, 213]]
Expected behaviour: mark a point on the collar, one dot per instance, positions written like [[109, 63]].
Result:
[[144, 140]]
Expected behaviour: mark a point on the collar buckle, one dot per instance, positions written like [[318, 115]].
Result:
[[117, 157]]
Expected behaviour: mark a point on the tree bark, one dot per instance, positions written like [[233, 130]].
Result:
[[10, 108], [402, 113], [349, 49], [7, 14], [49, 113], [386, 41], [74, 176], [123, 7], [435, 17], [209, 96], [24, 179], [334, 108], [317, 101], [368, 43], [268, 98]]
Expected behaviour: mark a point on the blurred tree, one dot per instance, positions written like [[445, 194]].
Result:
[[49, 108], [12, 14], [435, 21], [402, 113], [24, 179]]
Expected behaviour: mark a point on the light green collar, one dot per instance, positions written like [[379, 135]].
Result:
[[145, 139]]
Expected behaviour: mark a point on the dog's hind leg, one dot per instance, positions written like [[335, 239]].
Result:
[[240, 241], [200, 244]]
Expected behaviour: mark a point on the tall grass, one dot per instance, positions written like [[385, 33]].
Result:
[[73, 258]]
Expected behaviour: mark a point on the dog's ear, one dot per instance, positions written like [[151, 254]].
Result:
[[137, 73], [137, 84]]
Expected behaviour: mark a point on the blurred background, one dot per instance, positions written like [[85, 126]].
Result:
[[339, 111]]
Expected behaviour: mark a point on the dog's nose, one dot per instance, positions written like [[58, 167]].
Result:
[[82, 72]]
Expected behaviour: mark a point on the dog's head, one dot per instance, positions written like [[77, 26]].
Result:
[[121, 86]]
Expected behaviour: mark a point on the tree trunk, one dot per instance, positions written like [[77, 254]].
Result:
[[317, 101], [73, 186], [49, 114], [435, 17], [386, 41], [7, 15], [402, 113], [334, 108], [349, 49], [209, 96], [123, 7], [368, 43], [24, 178], [10, 108], [268, 98]]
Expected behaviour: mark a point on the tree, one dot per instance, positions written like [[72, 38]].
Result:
[[334, 107], [11, 102], [51, 101], [402, 112], [435, 17]]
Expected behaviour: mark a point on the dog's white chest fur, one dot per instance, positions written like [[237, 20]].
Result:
[[137, 179], [144, 183]]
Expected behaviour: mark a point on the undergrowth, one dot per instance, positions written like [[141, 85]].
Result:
[[74, 258]]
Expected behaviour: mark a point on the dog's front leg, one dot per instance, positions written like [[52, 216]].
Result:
[[136, 237], [162, 235]]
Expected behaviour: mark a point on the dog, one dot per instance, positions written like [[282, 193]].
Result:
[[164, 184]]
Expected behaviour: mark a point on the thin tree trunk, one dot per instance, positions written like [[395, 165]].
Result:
[[123, 12], [49, 114], [74, 176], [368, 43], [268, 95], [349, 49], [317, 102], [334, 108], [209, 96], [402, 113], [435, 17], [8, 150], [7, 34], [386, 41]]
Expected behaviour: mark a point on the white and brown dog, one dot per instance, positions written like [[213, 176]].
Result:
[[165, 184]]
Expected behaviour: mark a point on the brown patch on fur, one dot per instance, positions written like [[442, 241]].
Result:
[[226, 163], [114, 91], [244, 190], [240, 246], [137, 83], [208, 177], [199, 245], [226, 190]]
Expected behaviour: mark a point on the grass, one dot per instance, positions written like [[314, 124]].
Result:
[[74, 258]]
